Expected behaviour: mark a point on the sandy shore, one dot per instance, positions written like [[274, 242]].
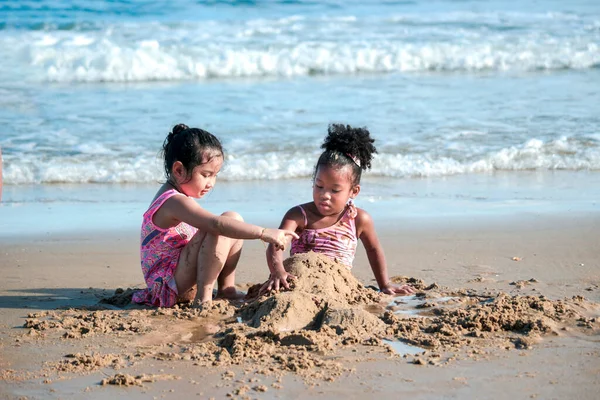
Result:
[[528, 255]]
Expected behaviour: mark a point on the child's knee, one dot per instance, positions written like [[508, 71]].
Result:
[[233, 214]]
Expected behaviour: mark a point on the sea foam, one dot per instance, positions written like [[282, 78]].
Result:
[[286, 47], [96, 166]]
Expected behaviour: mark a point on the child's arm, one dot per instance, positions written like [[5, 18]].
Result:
[[365, 231], [184, 209], [278, 277]]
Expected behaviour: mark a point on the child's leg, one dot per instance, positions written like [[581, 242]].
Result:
[[226, 279], [225, 253], [186, 273], [207, 258]]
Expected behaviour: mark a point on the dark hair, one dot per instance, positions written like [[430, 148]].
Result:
[[191, 147], [345, 145]]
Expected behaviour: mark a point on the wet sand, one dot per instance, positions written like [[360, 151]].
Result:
[[168, 354]]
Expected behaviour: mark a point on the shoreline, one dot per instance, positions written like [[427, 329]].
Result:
[[74, 209]]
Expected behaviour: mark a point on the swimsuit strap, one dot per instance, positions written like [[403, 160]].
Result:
[[156, 204], [166, 195], [304, 214], [351, 210]]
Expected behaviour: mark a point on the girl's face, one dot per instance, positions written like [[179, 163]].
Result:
[[203, 177], [332, 188]]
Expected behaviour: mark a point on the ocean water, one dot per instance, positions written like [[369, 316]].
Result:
[[470, 93]]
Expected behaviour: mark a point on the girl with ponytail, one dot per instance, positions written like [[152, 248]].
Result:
[[185, 248]]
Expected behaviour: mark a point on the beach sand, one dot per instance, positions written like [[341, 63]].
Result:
[[463, 268]]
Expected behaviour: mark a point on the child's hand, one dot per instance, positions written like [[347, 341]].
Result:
[[276, 281], [398, 290], [277, 237]]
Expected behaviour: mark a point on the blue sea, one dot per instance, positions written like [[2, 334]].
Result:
[[474, 105]]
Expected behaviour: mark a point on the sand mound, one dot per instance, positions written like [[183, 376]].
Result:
[[139, 380], [282, 312], [333, 282], [353, 322], [76, 323], [321, 284], [494, 320]]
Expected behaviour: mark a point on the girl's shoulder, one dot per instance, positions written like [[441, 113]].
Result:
[[364, 224], [305, 206], [168, 205], [161, 197], [299, 214], [362, 217]]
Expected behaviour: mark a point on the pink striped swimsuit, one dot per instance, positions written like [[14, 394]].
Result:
[[160, 250], [337, 241]]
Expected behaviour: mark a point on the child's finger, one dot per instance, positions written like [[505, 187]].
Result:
[[400, 290], [265, 288], [405, 288]]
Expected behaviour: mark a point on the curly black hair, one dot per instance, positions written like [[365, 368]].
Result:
[[345, 145], [190, 146]]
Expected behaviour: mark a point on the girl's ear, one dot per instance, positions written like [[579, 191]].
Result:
[[354, 191], [178, 171]]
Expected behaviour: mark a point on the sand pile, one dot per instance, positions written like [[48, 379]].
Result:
[[324, 292], [299, 330], [78, 362], [139, 380], [76, 324], [496, 321], [292, 330]]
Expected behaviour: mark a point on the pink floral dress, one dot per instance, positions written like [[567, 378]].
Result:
[[160, 250]]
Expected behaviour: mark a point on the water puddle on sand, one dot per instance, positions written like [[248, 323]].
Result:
[[403, 348], [417, 306], [413, 306], [193, 331], [199, 333]]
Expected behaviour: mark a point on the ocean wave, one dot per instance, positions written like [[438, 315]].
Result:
[[300, 46], [149, 61], [535, 154]]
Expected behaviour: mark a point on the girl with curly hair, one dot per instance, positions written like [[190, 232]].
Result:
[[331, 224]]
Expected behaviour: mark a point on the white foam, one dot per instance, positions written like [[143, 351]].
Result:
[[110, 62], [298, 46], [101, 163]]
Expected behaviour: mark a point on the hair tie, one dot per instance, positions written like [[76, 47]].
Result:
[[355, 159]]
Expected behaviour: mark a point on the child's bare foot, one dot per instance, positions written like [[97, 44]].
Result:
[[199, 304], [230, 293]]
